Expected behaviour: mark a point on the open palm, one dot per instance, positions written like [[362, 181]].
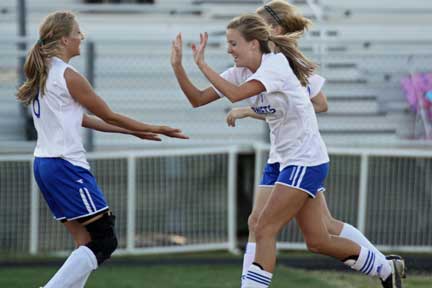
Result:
[[171, 132], [176, 50], [147, 136], [198, 52]]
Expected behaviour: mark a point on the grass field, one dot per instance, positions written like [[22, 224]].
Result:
[[197, 276]]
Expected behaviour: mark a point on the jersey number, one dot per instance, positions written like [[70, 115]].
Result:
[[36, 106]]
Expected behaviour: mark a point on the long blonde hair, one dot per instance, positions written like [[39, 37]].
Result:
[[288, 17], [253, 27], [36, 67]]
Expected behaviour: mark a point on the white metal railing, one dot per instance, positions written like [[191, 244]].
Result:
[[185, 199], [388, 208], [165, 201]]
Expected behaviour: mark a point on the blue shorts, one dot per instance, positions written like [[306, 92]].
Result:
[[270, 174], [309, 179], [70, 191]]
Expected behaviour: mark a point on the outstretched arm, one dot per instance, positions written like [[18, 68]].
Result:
[[195, 96], [95, 123], [81, 90], [319, 103], [233, 92]]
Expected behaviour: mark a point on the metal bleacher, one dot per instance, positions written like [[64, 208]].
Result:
[[362, 54]]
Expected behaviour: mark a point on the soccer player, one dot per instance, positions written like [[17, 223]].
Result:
[[286, 19], [274, 84], [59, 96]]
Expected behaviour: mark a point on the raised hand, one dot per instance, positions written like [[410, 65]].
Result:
[[176, 50], [198, 52], [171, 132]]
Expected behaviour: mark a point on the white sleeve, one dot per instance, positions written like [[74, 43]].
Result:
[[229, 75], [316, 82], [272, 74]]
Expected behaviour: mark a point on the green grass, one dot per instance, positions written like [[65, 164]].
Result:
[[215, 276]]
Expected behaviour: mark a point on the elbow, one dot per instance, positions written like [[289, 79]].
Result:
[[194, 100], [324, 108], [321, 108], [197, 100], [195, 104]]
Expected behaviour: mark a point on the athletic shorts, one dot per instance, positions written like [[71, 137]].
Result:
[[309, 179], [70, 191], [270, 175]]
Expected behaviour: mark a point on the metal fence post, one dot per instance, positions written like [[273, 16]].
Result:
[[34, 213], [362, 206], [131, 212], [232, 200]]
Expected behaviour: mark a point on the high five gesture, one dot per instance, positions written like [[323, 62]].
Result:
[[195, 96], [176, 50], [198, 52]]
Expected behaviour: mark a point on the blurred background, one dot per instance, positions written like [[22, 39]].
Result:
[[195, 195]]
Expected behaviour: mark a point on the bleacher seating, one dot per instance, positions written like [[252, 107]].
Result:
[[362, 61]]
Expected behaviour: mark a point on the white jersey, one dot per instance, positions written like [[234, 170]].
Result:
[[316, 82], [58, 119], [294, 134]]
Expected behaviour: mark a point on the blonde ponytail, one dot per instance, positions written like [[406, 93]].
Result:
[[36, 67], [302, 67], [33, 70]]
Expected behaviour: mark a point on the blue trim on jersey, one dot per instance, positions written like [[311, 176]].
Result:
[[309, 179], [70, 191]]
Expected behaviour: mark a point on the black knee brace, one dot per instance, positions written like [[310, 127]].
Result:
[[104, 240]]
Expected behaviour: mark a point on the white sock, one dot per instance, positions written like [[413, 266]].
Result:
[[248, 259], [371, 264], [77, 266], [257, 278], [353, 234]]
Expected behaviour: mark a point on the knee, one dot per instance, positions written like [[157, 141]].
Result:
[[103, 248], [103, 239], [252, 221], [313, 246], [334, 226], [317, 244], [264, 231], [82, 240]]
